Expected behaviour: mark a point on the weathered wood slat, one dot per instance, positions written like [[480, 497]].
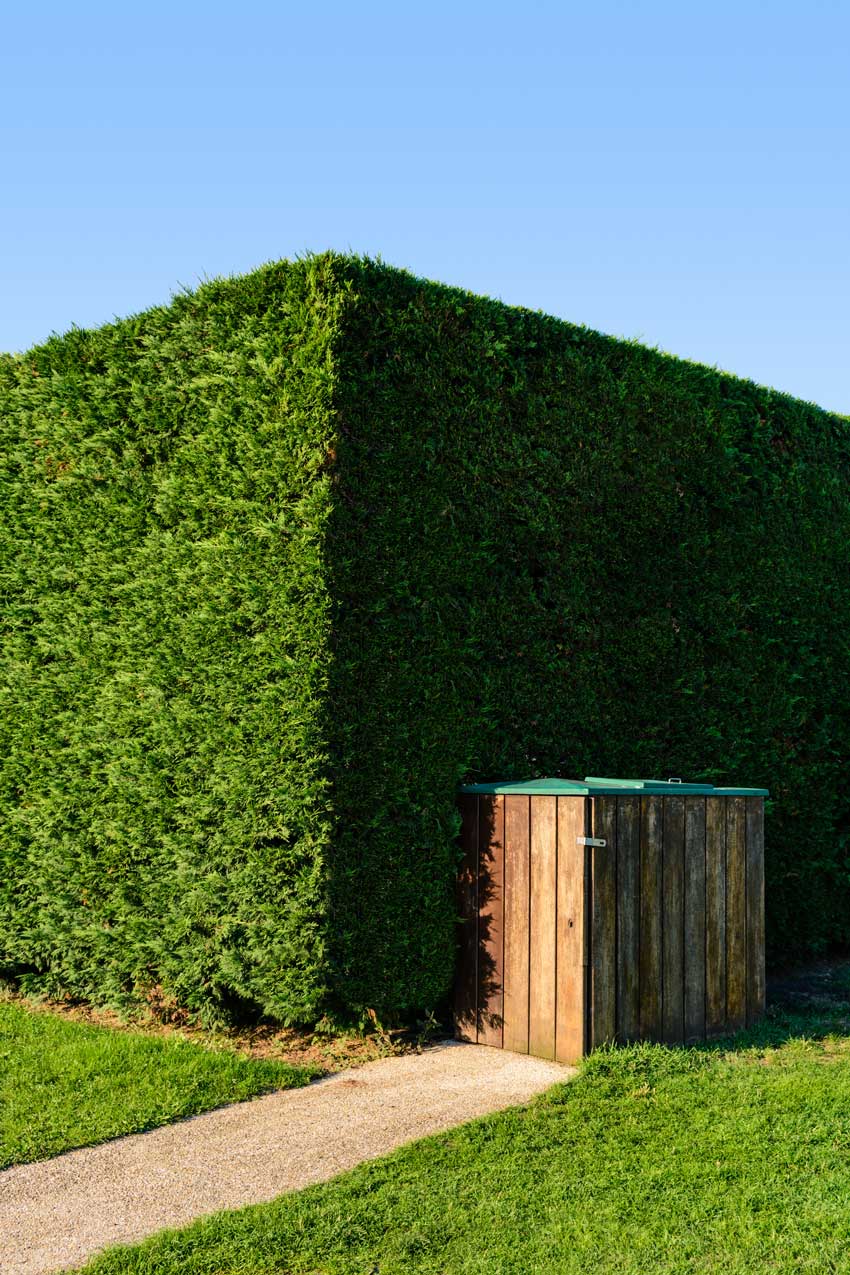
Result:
[[657, 934], [628, 918], [673, 921], [603, 963], [694, 918], [651, 826], [570, 1006], [515, 1032], [541, 993], [715, 914], [756, 983], [466, 981], [491, 904], [736, 912]]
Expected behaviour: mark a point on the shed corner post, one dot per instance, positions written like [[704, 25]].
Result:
[[466, 975]]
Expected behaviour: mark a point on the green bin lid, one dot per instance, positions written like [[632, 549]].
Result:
[[592, 786]]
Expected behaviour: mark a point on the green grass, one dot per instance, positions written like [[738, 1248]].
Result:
[[732, 1159], [66, 1084]]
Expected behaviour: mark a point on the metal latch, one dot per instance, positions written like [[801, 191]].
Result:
[[592, 841]]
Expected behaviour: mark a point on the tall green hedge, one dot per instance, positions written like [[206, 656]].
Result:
[[288, 559], [163, 751]]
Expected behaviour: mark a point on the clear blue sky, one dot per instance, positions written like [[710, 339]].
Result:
[[672, 172]]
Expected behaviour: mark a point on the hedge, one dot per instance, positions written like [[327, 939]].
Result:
[[285, 561]]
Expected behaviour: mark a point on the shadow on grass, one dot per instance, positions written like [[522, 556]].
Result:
[[809, 1007], [810, 1003]]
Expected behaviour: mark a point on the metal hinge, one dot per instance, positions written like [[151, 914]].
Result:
[[591, 841]]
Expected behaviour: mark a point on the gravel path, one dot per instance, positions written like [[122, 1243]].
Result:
[[58, 1213]]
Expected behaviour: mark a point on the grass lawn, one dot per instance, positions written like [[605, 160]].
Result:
[[732, 1159], [67, 1084]]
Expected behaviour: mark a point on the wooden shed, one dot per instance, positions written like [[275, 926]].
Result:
[[608, 910]]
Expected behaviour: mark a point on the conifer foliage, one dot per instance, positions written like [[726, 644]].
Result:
[[286, 560]]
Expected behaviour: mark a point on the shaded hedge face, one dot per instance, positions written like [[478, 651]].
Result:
[[556, 553], [289, 559]]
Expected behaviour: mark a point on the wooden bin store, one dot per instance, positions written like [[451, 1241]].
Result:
[[608, 910]]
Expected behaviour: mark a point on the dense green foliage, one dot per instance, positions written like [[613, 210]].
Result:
[[290, 558], [655, 1160], [66, 1084], [557, 553], [163, 760]]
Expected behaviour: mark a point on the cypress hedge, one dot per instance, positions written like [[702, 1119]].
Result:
[[287, 560]]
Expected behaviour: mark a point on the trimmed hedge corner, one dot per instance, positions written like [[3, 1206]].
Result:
[[286, 560]]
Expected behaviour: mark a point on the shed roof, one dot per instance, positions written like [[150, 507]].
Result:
[[592, 786]]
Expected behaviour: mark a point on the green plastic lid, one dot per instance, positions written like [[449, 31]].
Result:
[[591, 786], [650, 785]]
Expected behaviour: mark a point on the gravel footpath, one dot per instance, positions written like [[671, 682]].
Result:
[[58, 1213]]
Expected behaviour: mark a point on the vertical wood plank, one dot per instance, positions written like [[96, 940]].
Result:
[[491, 905], [467, 904], [541, 991], [673, 921], [755, 909], [694, 918], [715, 914], [603, 964], [651, 829], [571, 1004], [736, 913], [628, 918], [515, 1031]]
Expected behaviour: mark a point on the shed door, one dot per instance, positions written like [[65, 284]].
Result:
[[525, 896], [544, 961]]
